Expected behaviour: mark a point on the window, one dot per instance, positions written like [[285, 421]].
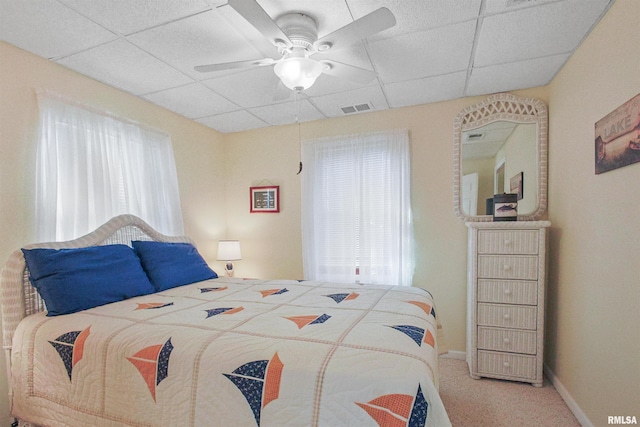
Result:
[[356, 209], [91, 167]]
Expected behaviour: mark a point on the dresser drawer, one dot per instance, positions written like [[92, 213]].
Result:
[[507, 364], [511, 340], [508, 291], [508, 267], [508, 242], [507, 316]]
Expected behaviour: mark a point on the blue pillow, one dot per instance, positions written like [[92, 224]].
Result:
[[172, 264], [71, 280]]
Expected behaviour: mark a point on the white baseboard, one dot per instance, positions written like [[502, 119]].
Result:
[[454, 354], [573, 406]]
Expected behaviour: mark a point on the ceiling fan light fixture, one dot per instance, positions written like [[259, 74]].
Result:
[[298, 73]]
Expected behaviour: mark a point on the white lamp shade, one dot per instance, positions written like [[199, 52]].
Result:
[[229, 250], [298, 73]]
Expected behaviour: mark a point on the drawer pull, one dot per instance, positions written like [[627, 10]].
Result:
[[507, 242], [507, 267], [506, 365], [507, 291], [506, 340], [506, 316]]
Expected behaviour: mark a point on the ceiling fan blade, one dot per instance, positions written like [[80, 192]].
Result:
[[376, 21], [256, 16], [234, 65], [349, 72]]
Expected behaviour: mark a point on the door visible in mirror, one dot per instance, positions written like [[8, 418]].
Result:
[[498, 182], [470, 193]]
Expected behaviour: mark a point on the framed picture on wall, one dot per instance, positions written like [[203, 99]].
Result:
[[265, 199], [516, 184], [617, 139]]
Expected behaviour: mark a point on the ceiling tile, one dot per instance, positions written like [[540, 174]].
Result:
[[515, 75], [47, 29], [233, 122], [327, 84], [425, 91], [493, 7], [424, 54], [412, 16], [285, 113], [192, 101], [251, 88], [330, 105], [198, 40], [126, 16], [122, 65], [535, 32]]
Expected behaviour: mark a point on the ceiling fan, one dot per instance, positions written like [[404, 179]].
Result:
[[295, 36]]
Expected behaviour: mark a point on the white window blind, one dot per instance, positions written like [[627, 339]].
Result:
[[356, 209], [92, 166]]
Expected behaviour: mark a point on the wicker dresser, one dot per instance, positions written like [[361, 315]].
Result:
[[505, 297]]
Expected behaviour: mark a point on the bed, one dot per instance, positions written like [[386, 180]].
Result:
[[217, 352]]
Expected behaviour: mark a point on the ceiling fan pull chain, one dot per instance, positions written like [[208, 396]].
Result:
[[300, 150], [295, 97]]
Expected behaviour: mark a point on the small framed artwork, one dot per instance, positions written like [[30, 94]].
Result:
[[505, 207], [265, 199], [516, 184], [617, 138]]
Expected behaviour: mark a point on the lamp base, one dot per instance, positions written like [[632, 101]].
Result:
[[228, 269]]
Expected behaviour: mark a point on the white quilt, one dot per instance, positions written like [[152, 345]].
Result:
[[233, 352]]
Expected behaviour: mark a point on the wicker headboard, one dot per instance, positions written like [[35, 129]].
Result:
[[18, 298]]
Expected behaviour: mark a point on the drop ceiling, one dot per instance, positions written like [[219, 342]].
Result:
[[438, 50]]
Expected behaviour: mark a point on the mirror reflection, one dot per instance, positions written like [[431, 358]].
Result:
[[499, 144], [500, 157]]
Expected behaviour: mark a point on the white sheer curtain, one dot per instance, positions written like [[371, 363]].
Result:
[[356, 209], [92, 166]]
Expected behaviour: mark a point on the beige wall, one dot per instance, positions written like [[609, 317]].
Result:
[[198, 151], [272, 243], [593, 317]]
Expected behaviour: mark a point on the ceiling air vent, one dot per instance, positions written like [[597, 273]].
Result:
[[476, 136], [358, 108]]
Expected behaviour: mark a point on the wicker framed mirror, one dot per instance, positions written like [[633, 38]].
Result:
[[499, 139]]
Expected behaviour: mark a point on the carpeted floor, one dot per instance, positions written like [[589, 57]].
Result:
[[496, 403]]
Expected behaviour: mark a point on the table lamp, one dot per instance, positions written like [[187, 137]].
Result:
[[229, 250]]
